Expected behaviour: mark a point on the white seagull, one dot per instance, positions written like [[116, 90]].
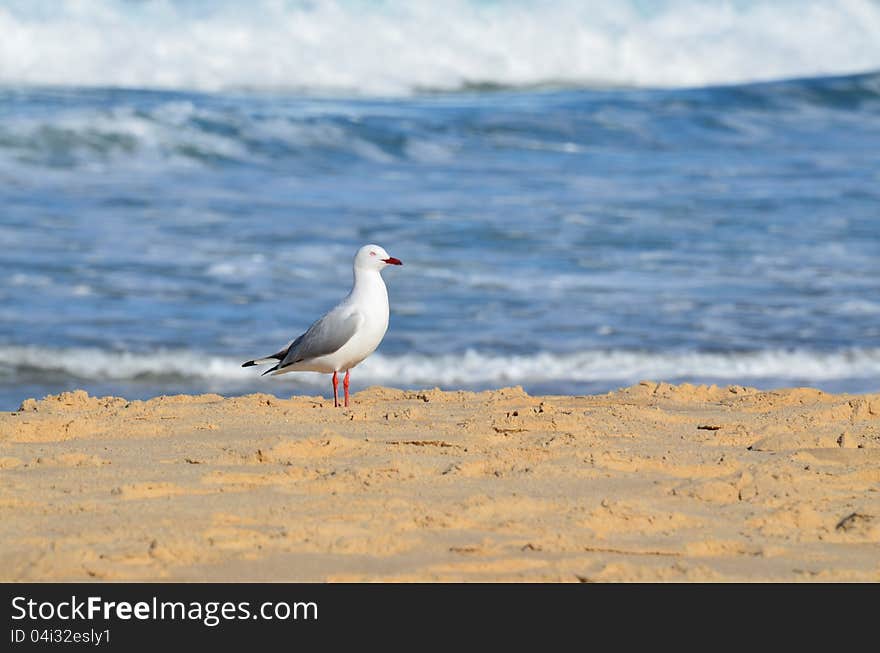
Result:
[[348, 333]]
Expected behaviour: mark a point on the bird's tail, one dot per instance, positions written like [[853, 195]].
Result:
[[261, 361], [276, 358]]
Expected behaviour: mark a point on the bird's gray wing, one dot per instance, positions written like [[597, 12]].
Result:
[[324, 337]]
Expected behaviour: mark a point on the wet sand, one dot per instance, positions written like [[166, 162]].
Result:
[[650, 483]]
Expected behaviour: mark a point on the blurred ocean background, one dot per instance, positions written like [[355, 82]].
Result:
[[584, 194]]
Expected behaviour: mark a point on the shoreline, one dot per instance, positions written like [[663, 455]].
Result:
[[653, 482]]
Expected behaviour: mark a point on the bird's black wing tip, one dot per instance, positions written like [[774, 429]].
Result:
[[249, 364]]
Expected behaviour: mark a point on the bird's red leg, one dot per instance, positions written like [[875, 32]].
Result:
[[335, 391], [345, 386]]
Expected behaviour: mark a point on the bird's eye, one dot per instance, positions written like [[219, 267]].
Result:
[[372, 253]]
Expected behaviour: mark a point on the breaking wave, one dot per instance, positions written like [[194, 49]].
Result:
[[469, 369], [398, 47]]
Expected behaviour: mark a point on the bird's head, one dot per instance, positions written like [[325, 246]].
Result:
[[373, 257]]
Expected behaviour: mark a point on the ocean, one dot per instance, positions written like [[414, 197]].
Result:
[[584, 195]]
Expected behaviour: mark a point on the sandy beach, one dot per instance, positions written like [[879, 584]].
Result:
[[650, 483]]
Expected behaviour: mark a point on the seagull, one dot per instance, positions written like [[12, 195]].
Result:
[[348, 333]]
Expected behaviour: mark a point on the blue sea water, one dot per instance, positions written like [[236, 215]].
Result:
[[569, 237]]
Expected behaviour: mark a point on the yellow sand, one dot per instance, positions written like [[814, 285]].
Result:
[[654, 482]]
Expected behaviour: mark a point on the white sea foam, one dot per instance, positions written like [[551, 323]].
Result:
[[399, 46], [468, 369]]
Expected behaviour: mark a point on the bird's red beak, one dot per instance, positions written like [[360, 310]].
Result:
[[392, 261]]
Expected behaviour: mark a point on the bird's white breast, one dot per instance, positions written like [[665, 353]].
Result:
[[369, 299]]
